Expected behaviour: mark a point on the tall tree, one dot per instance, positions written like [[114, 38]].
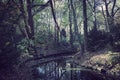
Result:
[[29, 24], [85, 25], [30, 18], [56, 23], [110, 13], [74, 19], [70, 24], [94, 14]]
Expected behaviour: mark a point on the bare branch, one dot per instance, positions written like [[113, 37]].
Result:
[[113, 7], [108, 3], [116, 11], [54, 16], [106, 6], [90, 5], [41, 7]]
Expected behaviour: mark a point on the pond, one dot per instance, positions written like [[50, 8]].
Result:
[[66, 70]]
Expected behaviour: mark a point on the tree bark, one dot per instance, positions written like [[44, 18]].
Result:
[[94, 14], [85, 26], [70, 25], [74, 20], [110, 16], [56, 23], [30, 18]]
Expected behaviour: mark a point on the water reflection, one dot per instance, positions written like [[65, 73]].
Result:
[[56, 71]]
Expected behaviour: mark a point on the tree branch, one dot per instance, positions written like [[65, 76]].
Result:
[[116, 11], [113, 7], [41, 7], [90, 5], [108, 3], [53, 13]]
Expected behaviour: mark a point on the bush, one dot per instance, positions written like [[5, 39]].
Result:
[[96, 40], [115, 32]]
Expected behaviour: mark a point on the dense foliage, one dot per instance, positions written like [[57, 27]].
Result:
[[97, 40], [8, 38]]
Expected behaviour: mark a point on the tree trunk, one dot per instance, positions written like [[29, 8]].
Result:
[[94, 14], [110, 16], [70, 25], [30, 18], [56, 24], [27, 29], [105, 19], [31, 25], [85, 26], [74, 20]]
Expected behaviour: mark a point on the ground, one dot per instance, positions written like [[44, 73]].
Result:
[[107, 60]]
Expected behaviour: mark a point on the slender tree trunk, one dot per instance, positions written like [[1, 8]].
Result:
[[70, 25], [107, 14], [106, 24], [30, 18], [74, 19], [85, 26], [27, 29], [56, 24], [94, 13], [110, 16], [30, 25]]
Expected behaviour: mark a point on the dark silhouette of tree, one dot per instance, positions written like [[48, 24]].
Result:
[[70, 25], [74, 20], [85, 25]]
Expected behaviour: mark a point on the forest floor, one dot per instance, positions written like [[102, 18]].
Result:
[[103, 59], [107, 60], [95, 61]]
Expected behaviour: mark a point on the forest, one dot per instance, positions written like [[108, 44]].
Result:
[[59, 39]]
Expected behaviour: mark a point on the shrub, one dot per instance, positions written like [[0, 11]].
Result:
[[96, 40]]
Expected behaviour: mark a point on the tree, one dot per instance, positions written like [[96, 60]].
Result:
[[30, 10], [70, 25], [94, 14], [110, 14], [56, 23], [85, 25], [74, 20]]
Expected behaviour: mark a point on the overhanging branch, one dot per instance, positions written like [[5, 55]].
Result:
[[41, 7], [53, 13], [117, 10]]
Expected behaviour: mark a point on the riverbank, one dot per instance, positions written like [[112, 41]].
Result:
[[102, 60]]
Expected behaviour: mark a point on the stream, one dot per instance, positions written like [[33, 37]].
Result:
[[66, 70], [62, 66]]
